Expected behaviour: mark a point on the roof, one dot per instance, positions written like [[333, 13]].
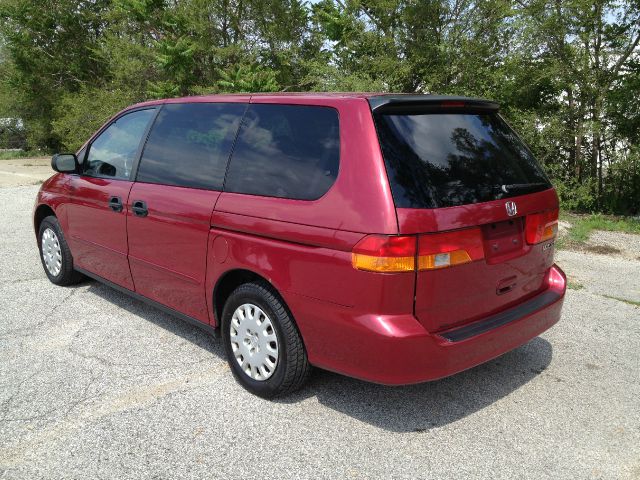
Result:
[[376, 99]]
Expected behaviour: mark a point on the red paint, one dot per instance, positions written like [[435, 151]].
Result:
[[168, 247], [383, 327], [96, 234], [397, 350], [452, 296]]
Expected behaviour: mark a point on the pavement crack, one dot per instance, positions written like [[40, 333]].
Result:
[[27, 331]]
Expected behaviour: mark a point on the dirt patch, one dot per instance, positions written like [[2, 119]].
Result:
[[602, 249], [601, 242], [563, 228], [24, 171], [622, 244]]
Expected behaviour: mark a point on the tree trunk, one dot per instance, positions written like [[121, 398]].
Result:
[[571, 166], [599, 153], [596, 161], [578, 146]]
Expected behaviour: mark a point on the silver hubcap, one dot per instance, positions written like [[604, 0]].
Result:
[[51, 252], [254, 342]]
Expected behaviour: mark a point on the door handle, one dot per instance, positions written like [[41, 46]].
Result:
[[115, 204], [506, 285], [140, 208]]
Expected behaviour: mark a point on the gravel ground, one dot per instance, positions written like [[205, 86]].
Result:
[[24, 171], [603, 275], [626, 244], [94, 384]]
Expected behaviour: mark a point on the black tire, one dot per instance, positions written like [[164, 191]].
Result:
[[67, 275], [292, 369]]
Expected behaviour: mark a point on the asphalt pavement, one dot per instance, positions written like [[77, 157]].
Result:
[[94, 384]]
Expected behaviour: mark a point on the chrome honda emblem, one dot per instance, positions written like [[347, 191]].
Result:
[[512, 208]]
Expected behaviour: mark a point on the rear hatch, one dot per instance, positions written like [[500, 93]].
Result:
[[484, 211]]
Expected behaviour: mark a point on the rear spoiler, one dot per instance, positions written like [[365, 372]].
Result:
[[429, 103]]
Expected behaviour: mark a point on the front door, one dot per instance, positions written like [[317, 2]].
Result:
[[97, 214]]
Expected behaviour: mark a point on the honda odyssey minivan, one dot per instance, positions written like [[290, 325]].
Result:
[[392, 238]]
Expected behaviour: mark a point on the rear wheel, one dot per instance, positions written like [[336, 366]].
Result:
[[264, 348], [55, 254]]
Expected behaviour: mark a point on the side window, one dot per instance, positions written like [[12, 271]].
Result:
[[189, 145], [112, 154], [286, 151]]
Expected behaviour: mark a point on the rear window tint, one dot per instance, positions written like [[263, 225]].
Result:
[[286, 151], [189, 145], [443, 160]]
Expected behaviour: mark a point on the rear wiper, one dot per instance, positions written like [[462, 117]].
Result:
[[514, 187]]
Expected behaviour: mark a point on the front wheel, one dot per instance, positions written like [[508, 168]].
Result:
[[55, 254], [264, 348]]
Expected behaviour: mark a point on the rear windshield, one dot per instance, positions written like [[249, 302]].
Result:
[[438, 160]]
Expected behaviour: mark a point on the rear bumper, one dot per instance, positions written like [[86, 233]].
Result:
[[397, 350]]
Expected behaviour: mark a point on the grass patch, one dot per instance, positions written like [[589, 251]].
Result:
[[583, 225], [573, 285], [628, 302], [13, 154]]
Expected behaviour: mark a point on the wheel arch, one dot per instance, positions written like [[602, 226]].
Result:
[[42, 211], [232, 279]]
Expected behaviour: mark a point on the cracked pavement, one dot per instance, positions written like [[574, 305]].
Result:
[[94, 384]]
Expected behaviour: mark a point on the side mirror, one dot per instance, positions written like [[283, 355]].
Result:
[[64, 163]]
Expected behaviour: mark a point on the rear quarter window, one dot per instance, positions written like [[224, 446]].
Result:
[[438, 160], [285, 151]]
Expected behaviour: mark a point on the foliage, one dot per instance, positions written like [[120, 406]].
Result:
[[13, 154], [247, 78], [79, 114], [576, 196], [566, 73], [49, 47], [573, 285], [12, 133], [582, 226]]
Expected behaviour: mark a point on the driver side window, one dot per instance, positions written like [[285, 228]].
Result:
[[112, 153]]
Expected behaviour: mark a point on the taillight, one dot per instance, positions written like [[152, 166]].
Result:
[[383, 253], [441, 250], [541, 226]]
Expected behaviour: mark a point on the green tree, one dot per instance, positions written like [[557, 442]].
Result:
[[50, 48], [567, 73]]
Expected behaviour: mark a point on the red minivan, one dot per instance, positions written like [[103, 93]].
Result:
[[392, 238]]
